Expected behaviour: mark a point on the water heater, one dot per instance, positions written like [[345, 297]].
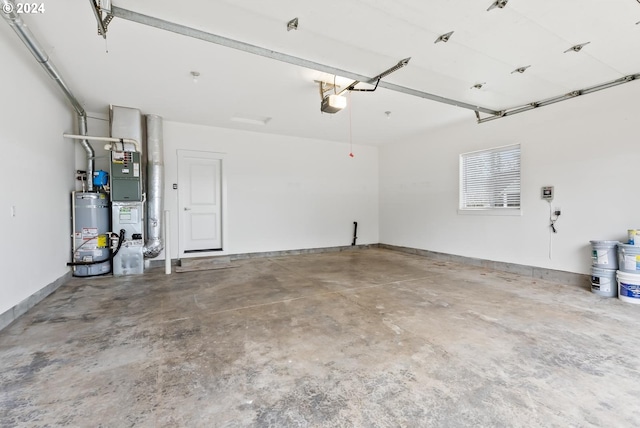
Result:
[[90, 234]]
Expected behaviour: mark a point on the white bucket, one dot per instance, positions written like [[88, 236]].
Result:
[[629, 258], [634, 237], [603, 254], [603, 282], [629, 287]]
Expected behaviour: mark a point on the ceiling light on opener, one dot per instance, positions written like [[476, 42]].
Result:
[[333, 103]]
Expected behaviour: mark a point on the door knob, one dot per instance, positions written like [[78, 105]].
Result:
[[187, 209]]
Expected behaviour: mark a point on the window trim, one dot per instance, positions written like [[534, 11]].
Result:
[[496, 211]]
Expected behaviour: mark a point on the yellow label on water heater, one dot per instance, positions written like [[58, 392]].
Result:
[[102, 241]]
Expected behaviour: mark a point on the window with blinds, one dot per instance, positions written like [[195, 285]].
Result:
[[490, 179]]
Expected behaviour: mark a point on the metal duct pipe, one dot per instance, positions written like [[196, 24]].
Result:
[[82, 130], [155, 187], [8, 11]]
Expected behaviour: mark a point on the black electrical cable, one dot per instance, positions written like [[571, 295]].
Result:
[[553, 220], [120, 241], [111, 256], [352, 87]]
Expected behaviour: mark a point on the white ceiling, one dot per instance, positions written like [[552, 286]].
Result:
[[150, 68]]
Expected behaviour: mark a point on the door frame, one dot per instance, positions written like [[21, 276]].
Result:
[[223, 202]]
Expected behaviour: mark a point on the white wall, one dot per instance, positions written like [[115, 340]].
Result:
[[588, 148], [282, 192], [36, 175]]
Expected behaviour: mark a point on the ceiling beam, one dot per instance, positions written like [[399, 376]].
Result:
[[279, 56]]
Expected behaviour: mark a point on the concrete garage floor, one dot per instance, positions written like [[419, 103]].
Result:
[[358, 338]]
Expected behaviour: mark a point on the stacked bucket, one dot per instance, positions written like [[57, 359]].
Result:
[[629, 269], [604, 265], [615, 268]]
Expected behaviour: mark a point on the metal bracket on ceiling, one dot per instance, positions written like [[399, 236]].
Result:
[[444, 38], [500, 4], [326, 87], [102, 11], [520, 69], [292, 25], [577, 48]]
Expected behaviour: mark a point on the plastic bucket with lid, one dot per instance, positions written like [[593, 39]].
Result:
[[603, 282], [629, 258], [628, 287], [604, 255]]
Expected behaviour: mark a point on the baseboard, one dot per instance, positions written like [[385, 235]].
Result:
[[21, 308], [569, 278], [160, 263], [258, 255], [300, 251]]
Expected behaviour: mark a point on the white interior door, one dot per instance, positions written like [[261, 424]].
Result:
[[199, 201]]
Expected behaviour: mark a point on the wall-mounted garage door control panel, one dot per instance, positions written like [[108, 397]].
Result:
[[547, 193]]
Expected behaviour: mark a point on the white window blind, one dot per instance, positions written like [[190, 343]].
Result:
[[490, 179]]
